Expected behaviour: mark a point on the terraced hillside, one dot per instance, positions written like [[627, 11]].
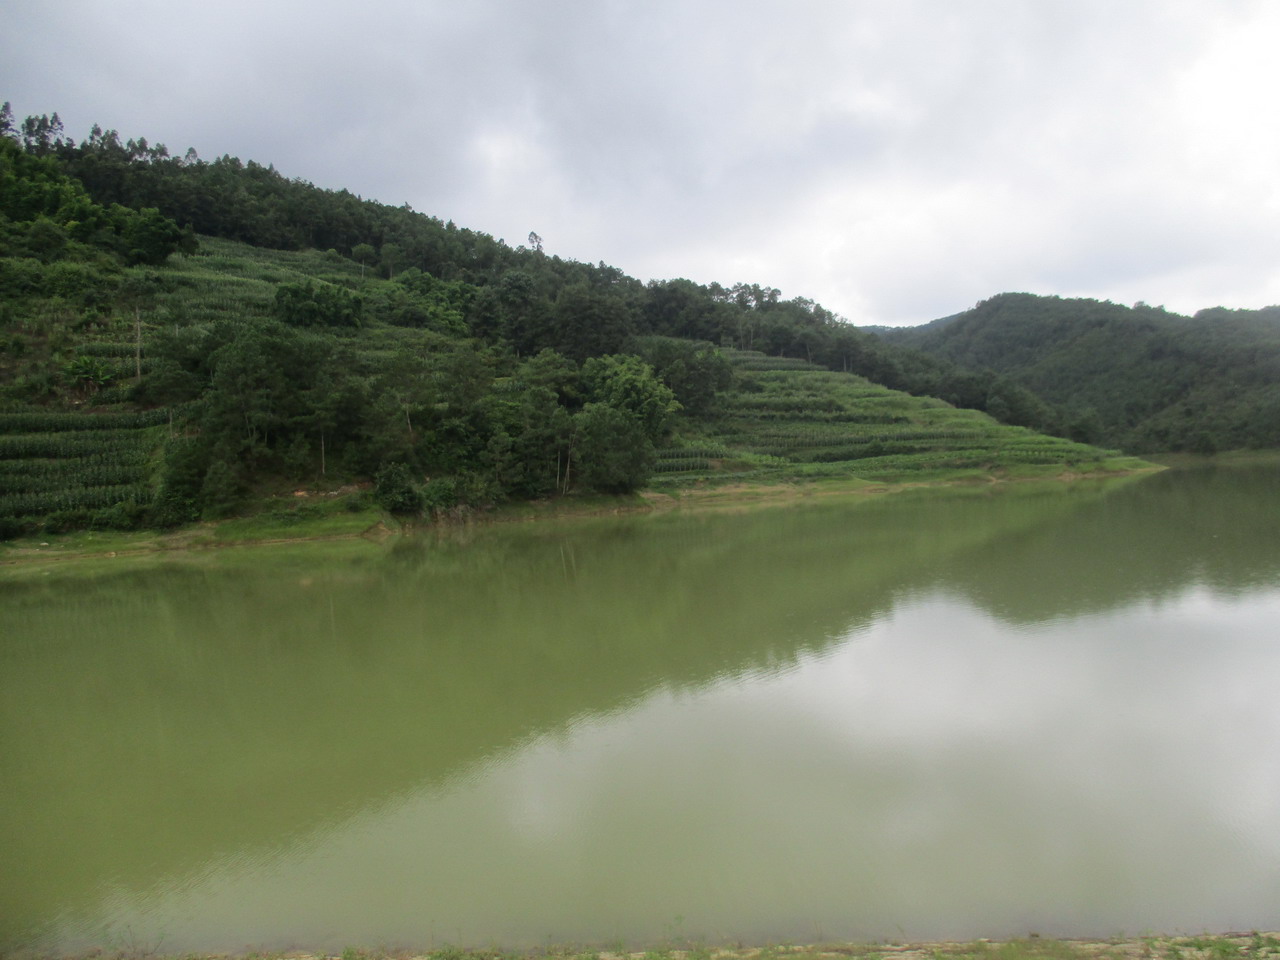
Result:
[[790, 418], [78, 469], [191, 398]]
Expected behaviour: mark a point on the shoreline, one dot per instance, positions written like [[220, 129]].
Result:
[[1253, 945], [377, 526]]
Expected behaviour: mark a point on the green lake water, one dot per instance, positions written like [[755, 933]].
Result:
[[1032, 708]]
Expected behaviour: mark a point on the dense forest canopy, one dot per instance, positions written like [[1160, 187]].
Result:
[[1138, 377]]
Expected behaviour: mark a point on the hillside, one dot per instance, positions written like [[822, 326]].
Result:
[[791, 418], [153, 375], [1140, 378]]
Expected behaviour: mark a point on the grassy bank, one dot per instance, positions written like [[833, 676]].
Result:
[[1225, 946], [350, 515]]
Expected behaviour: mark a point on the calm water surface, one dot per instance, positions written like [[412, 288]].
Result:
[[1027, 709]]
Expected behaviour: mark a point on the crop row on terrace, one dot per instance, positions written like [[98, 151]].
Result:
[[69, 474], [63, 461], [803, 436], [693, 449], [29, 446], [786, 404], [78, 498], [78, 424], [866, 451], [774, 363], [819, 416], [115, 456], [758, 361], [794, 419], [682, 465]]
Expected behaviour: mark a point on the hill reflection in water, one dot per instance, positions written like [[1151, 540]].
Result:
[[1037, 707]]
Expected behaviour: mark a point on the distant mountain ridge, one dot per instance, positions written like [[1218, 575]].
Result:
[[1138, 377]]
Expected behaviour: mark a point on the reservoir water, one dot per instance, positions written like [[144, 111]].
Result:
[[990, 712]]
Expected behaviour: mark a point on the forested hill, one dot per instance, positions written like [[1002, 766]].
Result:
[[1137, 377], [179, 337], [518, 295]]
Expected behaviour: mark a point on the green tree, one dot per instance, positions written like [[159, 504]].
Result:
[[258, 390], [530, 453], [310, 304], [150, 237], [89, 374], [396, 490], [46, 239], [612, 451], [589, 323], [392, 257], [627, 383], [365, 255], [696, 372]]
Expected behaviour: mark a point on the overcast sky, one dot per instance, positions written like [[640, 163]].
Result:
[[895, 160]]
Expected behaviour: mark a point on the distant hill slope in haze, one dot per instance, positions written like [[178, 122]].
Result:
[[1140, 378]]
